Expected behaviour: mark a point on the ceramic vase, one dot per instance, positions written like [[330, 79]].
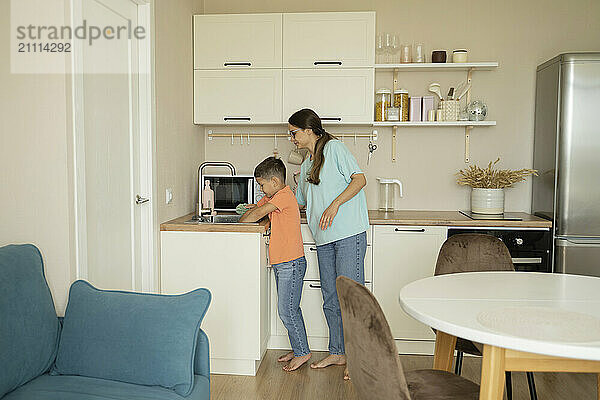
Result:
[[487, 201]]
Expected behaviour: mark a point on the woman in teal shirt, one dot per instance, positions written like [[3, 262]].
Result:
[[330, 187]]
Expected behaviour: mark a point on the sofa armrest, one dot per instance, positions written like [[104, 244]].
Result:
[[202, 356]]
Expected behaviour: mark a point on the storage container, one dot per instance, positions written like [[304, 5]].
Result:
[[401, 102], [383, 100], [415, 109], [450, 109], [426, 107]]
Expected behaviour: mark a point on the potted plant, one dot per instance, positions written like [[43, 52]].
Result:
[[487, 194]]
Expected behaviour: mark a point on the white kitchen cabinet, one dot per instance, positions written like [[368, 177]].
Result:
[[337, 95], [237, 41], [237, 321], [332, 39], [237, 96], [403, 254], [314, 318]]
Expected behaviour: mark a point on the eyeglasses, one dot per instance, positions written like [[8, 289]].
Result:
[[293, 133]]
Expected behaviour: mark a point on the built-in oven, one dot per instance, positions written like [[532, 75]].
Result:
[[530, 248], [230, 190]]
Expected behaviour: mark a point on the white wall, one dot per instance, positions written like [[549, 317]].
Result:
[[34, 182], [180, 143], [518, 34]]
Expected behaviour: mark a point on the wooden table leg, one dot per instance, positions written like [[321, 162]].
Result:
[[444, 351], [598, 389], [492, 373]]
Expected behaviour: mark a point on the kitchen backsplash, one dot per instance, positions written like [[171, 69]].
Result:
[[427, 161]]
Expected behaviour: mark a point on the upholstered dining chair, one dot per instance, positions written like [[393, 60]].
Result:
[[372, 356], [467, 252]]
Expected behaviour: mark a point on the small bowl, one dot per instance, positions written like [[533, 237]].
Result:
[[459, 56], [438, 56]]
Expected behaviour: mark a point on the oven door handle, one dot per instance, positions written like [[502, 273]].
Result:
[[527, 260]]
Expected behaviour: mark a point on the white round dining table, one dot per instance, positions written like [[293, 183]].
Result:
[[526, 321]]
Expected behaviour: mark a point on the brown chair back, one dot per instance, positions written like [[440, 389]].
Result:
[[468, 252], [371, 352]]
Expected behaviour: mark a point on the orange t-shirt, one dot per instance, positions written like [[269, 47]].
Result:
[[286, 240]]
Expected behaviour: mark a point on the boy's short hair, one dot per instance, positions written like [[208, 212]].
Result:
[[270, 167]]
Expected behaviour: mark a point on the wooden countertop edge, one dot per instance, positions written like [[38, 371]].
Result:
[[404, 218], [179, 225]]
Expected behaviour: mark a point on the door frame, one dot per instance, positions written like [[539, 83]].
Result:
[[148, 281]]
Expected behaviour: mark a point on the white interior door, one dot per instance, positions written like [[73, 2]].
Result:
[[111, 151]]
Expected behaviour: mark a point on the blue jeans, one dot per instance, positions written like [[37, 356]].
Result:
[[344, 257], [289, 277]]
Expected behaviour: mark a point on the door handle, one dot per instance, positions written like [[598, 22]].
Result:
[[527, 260], [237, 118], [140, 200], [312, 248], [331, 119], [328, 63], [409, 230], [314, 286], [237, 64]]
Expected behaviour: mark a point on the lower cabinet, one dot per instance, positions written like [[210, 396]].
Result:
[[312, 311], [237, 321], [403, 254]]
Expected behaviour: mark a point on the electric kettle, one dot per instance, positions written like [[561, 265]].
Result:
[[387, 195]]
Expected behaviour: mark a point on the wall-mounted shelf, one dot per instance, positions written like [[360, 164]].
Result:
[[432, 124], [250, 123], [430, 67], [480, 66]]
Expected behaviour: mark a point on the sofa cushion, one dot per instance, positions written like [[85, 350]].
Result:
[[69, 387], [29, 326], [147, 339]]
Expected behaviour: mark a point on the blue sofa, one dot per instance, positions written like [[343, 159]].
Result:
[[41, 356]]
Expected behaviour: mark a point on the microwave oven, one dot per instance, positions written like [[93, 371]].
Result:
[[230, 190]]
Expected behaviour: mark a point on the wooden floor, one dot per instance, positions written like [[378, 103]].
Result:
[[272, 383]]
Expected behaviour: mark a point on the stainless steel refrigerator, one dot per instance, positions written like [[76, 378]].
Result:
[[567, 155]]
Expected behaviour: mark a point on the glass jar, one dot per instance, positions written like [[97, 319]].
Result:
[[383, 100], [401, 102]]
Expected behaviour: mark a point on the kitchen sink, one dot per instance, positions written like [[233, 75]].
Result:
[[218, 219]]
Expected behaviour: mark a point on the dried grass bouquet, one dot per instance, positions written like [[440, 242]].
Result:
[[492, 178]]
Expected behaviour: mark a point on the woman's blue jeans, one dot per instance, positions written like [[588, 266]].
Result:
[[344, 257], [289, 277]]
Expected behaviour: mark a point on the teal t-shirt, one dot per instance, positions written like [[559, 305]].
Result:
[[352, 217]]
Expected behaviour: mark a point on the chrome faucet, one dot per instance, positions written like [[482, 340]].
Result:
[[205, 164]]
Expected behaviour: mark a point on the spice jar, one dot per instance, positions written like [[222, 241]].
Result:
[[383, 100], [401, 102]]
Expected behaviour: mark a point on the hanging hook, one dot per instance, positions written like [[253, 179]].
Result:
[[241, 139], [275, 150], [248, 138], [232, 138], [355, 138], [210, 134]]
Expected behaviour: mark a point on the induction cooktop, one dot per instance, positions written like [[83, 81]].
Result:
[[506, 216]]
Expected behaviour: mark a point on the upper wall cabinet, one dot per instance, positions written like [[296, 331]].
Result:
[[314, 40], [337, 95], [237, 41], [237, 96]]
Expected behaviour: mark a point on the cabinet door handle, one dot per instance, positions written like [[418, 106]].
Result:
[[527, 260], [409, 230], [237, 118], [328, 63], [314, 286], [312, 248], [331, 118], [237, 64]]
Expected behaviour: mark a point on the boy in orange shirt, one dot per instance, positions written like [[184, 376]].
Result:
[[286, 253]]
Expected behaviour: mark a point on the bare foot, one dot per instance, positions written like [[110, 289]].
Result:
[[286, 357], [346, 374], [332, 359], [296, 362]]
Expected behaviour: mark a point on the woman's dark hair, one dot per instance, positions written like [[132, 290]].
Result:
[[308, 119]]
